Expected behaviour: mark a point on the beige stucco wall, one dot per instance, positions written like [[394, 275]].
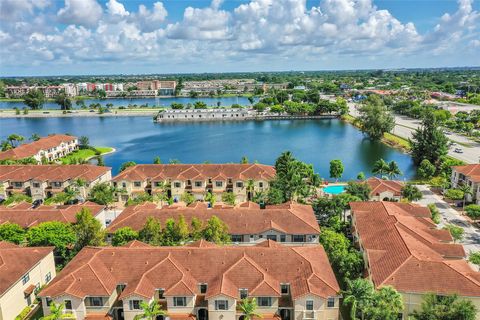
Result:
[[321, 312], [13, 301], [383, 195], [222, 314]]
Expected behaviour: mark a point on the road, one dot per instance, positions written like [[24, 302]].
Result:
[[405, 126], [471, 239]]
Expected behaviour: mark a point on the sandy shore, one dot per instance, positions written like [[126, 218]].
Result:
[[80, 113]]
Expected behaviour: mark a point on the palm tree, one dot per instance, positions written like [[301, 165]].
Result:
[[358, 296], [249, 308], [380, 167], [15, 139], [250, 186], [56, 313], [393, 170], [34, 137], [150, 311], [467, 191], [5, 145]]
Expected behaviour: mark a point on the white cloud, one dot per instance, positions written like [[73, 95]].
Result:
[[80, 12], [150, 20], [115, 8]]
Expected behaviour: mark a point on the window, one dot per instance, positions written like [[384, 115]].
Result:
[[309, 305], [330, 302], [284, 288], [221, 305], [218, 184], [203, 288], [25, 278], [160, 294], [283, 238], [239, 184], [17, 184], [36, 185], [95, 301], [68, 304], [237, 238], [177, 184], [48, 301], [179, 301], [134, 304], [124, 185], [56, 184], [243, 293], [158, 183], [272, 237], [298, 238], [48, 277], [198, 184], [264, 301], [137, 184], [260, 184]]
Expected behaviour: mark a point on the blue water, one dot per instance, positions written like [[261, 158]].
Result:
[[152, 102], [334, 189], [139, 139]]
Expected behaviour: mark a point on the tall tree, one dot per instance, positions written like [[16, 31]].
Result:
[[127, 164], [380, 167], [411, 193], [375, 119], [435, 307], [336, 169], [52, 233], [63, 101], [34, 99], [151, 232], [196, 226], [102, 193], [358, 189], [88, 230], [393, 170], [11, 232], [124, 235], [216, 231], [15, 139], [358, 295]]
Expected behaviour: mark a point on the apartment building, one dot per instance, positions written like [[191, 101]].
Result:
[[22, 272], [20, 91], [27, 216], [248, 224], [43, 181], [403, 248], [244, 180], [201, 281], [48, 148], [216, 114], [470, 175], [385, 190]]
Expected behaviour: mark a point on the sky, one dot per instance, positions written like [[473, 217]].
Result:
[[82, 37]]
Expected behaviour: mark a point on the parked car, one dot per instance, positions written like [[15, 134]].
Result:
[[458, 150]]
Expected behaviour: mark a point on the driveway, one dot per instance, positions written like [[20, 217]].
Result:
[[471, 238]]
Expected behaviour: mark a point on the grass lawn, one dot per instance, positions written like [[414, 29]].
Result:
[[85, 154], [396, 141]]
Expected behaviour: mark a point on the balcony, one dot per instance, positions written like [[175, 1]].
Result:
[[309, 314], [97, 309]]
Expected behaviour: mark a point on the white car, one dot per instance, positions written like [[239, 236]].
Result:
[[458, 150]]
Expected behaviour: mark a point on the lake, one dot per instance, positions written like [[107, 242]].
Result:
[[140, 140], [152, 102]]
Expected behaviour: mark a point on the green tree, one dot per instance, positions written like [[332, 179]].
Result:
[[473, 211], [244, 160], [188, 198], [127, 164], [63, 101], [358, 296], [100, 161], [15, 139], [229, 198], [361, 176], [196, 227], [157, 160], [467, 191], [150, 311], [380, 167], [199, 105], [411, 193], [34, 99], [88, 230], [454, 194], [386, 304], [151, 232], [358, 189], [436, 307], [84, 142], [393, 170], [336, 169], [52, 233], [211, 198], [426, 170], [475, 258], [176, 106], [429, 142], [124, 235], [375, 120], [435, 213], [456, 232], [11, 232], [216, 231], [58, 312], [102, 193], [248, 307]]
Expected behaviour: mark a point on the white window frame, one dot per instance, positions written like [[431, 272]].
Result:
[[176, 301], [221, 304]]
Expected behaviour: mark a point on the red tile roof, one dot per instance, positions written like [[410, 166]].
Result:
[[96, 271], [30, 149], [379, 186], [16, 261], [472, 171], [29, 217], [23, 173], [292, 218], [406, 250], [158, 172]]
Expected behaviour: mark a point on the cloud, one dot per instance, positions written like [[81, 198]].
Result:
[[149, 20], [115, 8], [80, 12]]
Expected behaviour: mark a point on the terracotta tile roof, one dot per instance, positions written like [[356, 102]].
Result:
[[179, 270], [22, 173], [196, 171], [97, 316], [15, 261], [29, 217], [404, 249], [292, 219], [380, 185], [472, 171], [30, 149]]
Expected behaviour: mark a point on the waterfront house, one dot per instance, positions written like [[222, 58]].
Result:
[[243, 180], [210, 114], [202, 281], [385, 190], [248, 224], [467, 175], [402, 248], [23, 271], [43, 181], [48, 148], [27, 216]]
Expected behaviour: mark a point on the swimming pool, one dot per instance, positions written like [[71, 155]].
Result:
[[334, 189]]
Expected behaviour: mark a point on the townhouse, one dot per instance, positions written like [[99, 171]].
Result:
[[22, 272], [27, 216], [43, 181], [385, 190], [248, 224], [202, 281], [470, 175], [403, 248], [244, 180], [48, 148]]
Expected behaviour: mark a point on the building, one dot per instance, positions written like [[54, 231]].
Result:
[[44, 181], [22, 272], [211, 114], [48, 148], [244, 180], [27, 216], [202, 281], [289, 223], [20, 91], [470, 175], [385, 190], [403, 248]]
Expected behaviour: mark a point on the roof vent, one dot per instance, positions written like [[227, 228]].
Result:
[[146, 262]]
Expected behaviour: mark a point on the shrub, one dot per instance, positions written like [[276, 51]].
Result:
[[426, 170], [454, 194], [435, 213], [475, 258], [473, 211], [24, 313]]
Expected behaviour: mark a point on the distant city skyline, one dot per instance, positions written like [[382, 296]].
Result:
[[81, 37]]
